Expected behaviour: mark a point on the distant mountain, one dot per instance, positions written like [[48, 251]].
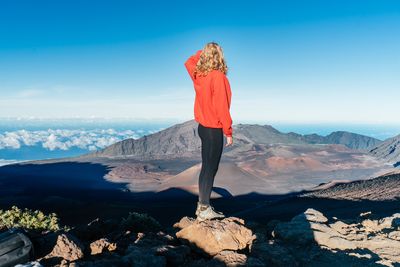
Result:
[[181, 140], [177, 140], [351, 140], [265, 134], [389, 151]]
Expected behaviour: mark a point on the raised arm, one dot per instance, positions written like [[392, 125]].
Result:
[[222, 100], [190, 64]]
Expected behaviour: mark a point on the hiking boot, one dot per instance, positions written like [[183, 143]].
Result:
[[209, 213], [200, 206]]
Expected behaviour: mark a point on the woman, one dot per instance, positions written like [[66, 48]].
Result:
[[207, 69]]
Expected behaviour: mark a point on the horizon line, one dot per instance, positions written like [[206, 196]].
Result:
[[170, 119]]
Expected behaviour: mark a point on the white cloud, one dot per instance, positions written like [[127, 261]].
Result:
[[27, 138], [65, 139], [53, 143], [10, 140]]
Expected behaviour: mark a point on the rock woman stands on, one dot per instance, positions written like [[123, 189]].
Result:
[[207, 69]]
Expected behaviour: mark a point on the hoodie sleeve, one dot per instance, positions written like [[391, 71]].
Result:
[[222, 101], [191, 62]]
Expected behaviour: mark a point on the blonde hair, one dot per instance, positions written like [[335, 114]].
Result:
[[212, 58]]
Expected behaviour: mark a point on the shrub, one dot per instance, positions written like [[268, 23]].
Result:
[[140, 222], [28, 220]]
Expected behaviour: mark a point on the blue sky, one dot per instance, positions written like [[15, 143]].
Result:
[[289, 61]]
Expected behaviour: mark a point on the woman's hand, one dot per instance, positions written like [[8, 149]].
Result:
[[229, 140]]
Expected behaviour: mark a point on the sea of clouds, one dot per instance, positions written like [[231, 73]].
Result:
[[64, 139]]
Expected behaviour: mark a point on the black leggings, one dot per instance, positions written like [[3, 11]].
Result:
[[212, 142]]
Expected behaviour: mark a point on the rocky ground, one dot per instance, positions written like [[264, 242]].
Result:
[[308, 239], [382, 188]]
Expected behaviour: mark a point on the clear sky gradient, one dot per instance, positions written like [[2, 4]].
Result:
[[289, 61]]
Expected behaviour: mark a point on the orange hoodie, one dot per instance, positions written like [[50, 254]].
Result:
[[213, 97]]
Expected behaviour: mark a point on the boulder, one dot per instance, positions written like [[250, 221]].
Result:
[[214, 236], [67, 247], [375, 237]]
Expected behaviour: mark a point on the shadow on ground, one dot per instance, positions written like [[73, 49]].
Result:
[[78, 193]]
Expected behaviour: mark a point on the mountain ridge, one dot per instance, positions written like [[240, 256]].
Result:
[[182, 140], [388, 151]]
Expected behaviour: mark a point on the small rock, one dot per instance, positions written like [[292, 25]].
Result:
[[365, 214], [98, 246], [139, 237], [64, 263], [231, 258], [311, 215]]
